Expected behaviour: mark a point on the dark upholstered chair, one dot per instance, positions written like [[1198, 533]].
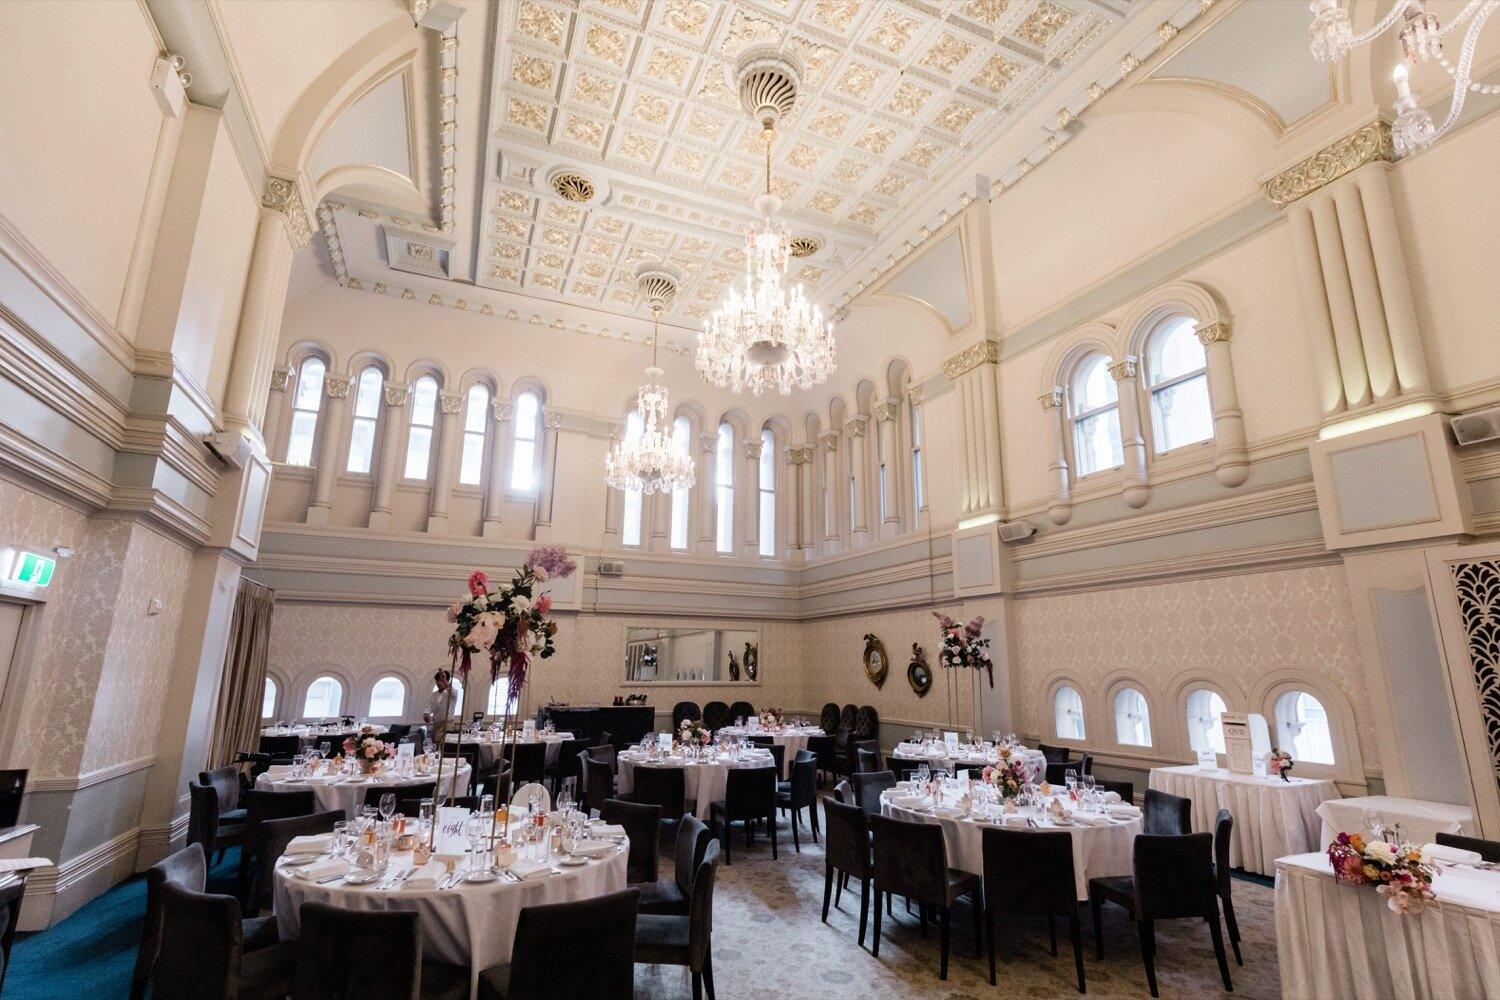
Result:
[[867, 756], [419, 790], [749, 796], [1223, 883], [1054, 755], [1489, 850], [828, 720], [662, 939], [1045, 885], [281, 748], [276, 834], [867, 789], [911, 861], [598, 783], [396, 732], [776, 750], [604, 752], [715, 716], [798, 793], [825, 751], [1174, 877], [346, 954], [202, 952], [569, 765], [259, 807], [867, 723], [672, 895], [661, 786], [226, 781], [1167, 815], [206, 825], [642, 823], [1124, 789], [528, 762], [545, 961], [1057, 773], [684, 711], [849, 719], [844, 792], [847, 855], [741, 710]]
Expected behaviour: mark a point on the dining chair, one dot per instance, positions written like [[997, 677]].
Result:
[[226, 781], [741, 710], [911, 861], [546, 960], [206, 825], [202, 952], [798, 793], [849, 718], [1054, 755], [642, 823], [669, 939], [828, 719], [867, 789], [1086, 764], [417, 790], [749, 796], [715, 716], [604, 752], [867, 756], [347, 954], [276, 835], [1045, 885], [661, 786], [281, 748], [568, 767], [684, 711], [778, 755], [599, 782], [533, 794], [1488, 850], [259, 807], [1223, 883], [867, 723], [673, 895], [1124, 789], [528, 761], [846, 854], [1167, 815], [825, 752], [844, 792], [1173, 877]]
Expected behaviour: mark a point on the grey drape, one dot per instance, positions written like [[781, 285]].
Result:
[[243, 686]]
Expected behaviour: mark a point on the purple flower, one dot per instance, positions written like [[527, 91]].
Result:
[[554, 559]]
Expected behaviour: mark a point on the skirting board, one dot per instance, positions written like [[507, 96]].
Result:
[[53, 893]]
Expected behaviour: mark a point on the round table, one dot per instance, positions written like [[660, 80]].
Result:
[[469, 925], [488, 748], [348, 794], [794, 738], [310, 736], [979, 756], [1105, 849], [1272, 818], [703, 781]]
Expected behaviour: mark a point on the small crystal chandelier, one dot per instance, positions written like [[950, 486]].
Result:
[[1421, 35], [766, 335], [651, 462]]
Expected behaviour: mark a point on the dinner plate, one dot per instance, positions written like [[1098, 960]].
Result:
[[363, 878], [480, 877], [572, 861]]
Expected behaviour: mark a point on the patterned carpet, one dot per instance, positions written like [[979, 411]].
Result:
[[769, 943]]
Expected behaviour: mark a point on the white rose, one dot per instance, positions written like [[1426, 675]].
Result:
[[1380, 851], [481, 602], [520, 605]]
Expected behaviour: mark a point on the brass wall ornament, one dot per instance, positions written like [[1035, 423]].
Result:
[[918, 671], [877, 663], [752, 661], [1366, 144]]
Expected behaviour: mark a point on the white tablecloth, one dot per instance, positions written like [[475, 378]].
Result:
[[793, 739], [1335, 941], [703, 782], [968, 756], [1420, 821], [489, 748], [349, 794], [1272, 818], [471, 925], [1097, 850]]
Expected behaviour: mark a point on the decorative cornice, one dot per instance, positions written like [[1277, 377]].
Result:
[[281, 196], [983, 352], [279, 379], [1213, 333], [452, 402], [1052, 398], [1366, 144], [501, 410], [336, 386], [800, 455], [1123, 369], [396, 393]]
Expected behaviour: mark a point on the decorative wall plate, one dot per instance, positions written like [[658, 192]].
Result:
[[918, 673], [752, 661], [734, 667], [877, 663]]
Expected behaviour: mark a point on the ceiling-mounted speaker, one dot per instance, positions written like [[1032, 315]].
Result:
[[1015, 531], [1476, 427]]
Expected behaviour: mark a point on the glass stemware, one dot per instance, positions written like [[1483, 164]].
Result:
[[387, 806]]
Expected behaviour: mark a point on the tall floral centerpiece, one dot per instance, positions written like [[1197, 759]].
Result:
[[963, 646]]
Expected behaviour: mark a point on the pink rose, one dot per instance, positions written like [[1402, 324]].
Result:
[[539, 573], [454, 609], [544, 603], [478, 582]]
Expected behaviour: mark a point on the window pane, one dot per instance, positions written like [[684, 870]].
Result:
[[1174, 351], [424, 402], [496, 704], [361, 445], [323, 700], [299, 444], [916, 481], [1205, 728], [1302, 727], [724, 493], [522, 467], [679, 525], [309, 385], [631, 534], [1067, 709], [472, 464], [417, 447], [1096, 442], [1092, 385], [1180, 413], [768, 523], [268, 700], [367, 397], [767, 460], [525, 416], [1132, 718], [884, 503], [476, 415], [388, 698]]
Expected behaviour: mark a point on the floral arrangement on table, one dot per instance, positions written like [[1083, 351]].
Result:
[[694, 733], [1009, 776], [1395, 869], [963, 646], [1280, 761], [368, 748], [509, 624], [770, 718]]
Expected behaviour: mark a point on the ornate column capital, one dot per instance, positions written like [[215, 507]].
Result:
[[916, 394], [829, 440], [501, 409], [281, 196], [1366, 144], [279, 379], [551, 419], [395, 393], [888, 410], [1214, 333], [799, 454], [708, 443], [451, 402], [616, 431], [1123, 368], [336, 386], [1052, 398], [752, 450], [855, 426], [983, 352]]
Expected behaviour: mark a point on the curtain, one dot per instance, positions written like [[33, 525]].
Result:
[[242, 688]]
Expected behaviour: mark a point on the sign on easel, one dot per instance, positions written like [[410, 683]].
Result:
[[1245, 737]]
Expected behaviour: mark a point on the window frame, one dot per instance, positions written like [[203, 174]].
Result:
[[724, 491], [1190, 689], [483, 434], [765, 497], [537, 440], [918, 491], [1119, 690], [293, 410], [1153, 388], [278, 696], [405, 695], [343, 686], [1077, 416], [356, 421], [1277, 740], [431, 428], [1054, 691]]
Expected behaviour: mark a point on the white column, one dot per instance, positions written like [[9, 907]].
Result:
[[1060, 510], [1315, 307], [888, 454], [708, 450], [859, 471], [972, 372], [1340, 297], [1231, 458], [494, 494], [799, 460], [277, 404], [551, 421], [1395, 284], [832, 486], [1136, 488], [1364, 288], [392, 436], [450, 426], [335, 427], [749, 488]]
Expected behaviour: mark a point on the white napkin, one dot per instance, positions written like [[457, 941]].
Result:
[[906, 801], [422, 883], [1123, 810], [527, 870], [608, 830], [1090, 819], [1111, 798], [592, 848], [311, 873], [1012, 819], [947, 812], [315, 844], [1452, 855]]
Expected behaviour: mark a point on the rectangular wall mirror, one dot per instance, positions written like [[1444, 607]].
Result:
[[691, 655]]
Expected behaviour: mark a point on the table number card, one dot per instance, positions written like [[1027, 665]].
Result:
[[528, 730], [404, 751], [753, 723], [950, 740], [664, 741]]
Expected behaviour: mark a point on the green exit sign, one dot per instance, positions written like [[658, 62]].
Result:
[[32, 569]]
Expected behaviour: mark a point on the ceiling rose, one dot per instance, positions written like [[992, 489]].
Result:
[[767, 335], [571, 186], [805, 245]]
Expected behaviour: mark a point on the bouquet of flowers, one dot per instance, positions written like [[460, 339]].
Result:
[[694, 733], [368, 748], [963, 646], [770, 718], [1395, 869], [1008, 776], [1280, 761], [509, 624]]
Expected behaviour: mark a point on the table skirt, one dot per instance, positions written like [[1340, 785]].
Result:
[[1272, 819]]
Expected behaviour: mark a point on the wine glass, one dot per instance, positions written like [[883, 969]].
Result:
[[387, 806], [1070, 780], [324, 749]]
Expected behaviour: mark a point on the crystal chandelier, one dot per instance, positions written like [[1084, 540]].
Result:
[[651, 462], [766, 335], [1421, 38]]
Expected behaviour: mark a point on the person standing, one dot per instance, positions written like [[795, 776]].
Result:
[[442, 705]]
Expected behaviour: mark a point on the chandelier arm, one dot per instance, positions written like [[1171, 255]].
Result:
[[1465, 66], [1461, 17], [1384, 24], [769, 134]]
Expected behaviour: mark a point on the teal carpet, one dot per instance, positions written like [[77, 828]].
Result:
[[90, 954]]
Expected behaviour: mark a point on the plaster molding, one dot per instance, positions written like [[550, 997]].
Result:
[[855, 426], [279, 378], [800, 455], [1370, 143], [983, 352], [752, 450], [451, 402], [395, 393], [336, 386], [829, 440], [1123, 368], [1052, 398], [1214, 333], [282, 197], [887, 411], [501, 410]]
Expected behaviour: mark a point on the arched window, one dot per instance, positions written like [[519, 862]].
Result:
[[1177, 374], [630, 533], [1132, 718], [268, 700], [524, 453], [1067, 713], [306, 403], [681, 434], [1205, 728], [768, 492], [476, 420], [1302, 728], [419, 438], [388, 698], [496, 704], [325, 698], [916, 460], [724, 490], [366, 415], [1094, 401]]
